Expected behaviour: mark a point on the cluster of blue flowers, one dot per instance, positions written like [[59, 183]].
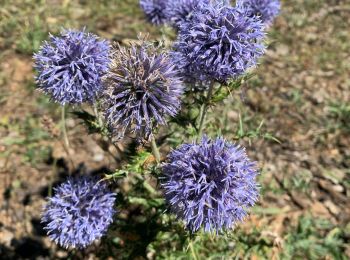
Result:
[[176, 12], [142, 88], [219, 43], [79, 213], [70, 67], [209, 184], [266, 10], [155, 10]]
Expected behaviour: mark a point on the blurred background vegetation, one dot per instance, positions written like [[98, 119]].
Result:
[[293, 115]]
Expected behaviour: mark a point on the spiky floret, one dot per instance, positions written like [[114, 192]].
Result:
[[218, 43], [155, 10], [267, 10], [142, 88], [79, 213], [181, 11], [210, 184], [69, 67]]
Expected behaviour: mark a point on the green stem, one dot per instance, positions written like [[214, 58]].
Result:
[[203, 111], [193, 252], [64, 128], [104, 134], [98, 116], [155, 150]]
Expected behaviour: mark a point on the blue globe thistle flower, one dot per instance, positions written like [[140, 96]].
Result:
[[142, 88], [218, 43], [70, 66], [267, 10], [181, 11], [79, 213], [155, 10], [210, 184]]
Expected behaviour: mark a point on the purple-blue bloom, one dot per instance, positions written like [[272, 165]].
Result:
[[142, 88], [218, 43], [70, 66], [155, 10], [210, 184], [267, 10], [181, 10], [79, 213]]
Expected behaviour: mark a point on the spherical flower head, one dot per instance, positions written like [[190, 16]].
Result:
[[267, 10], [218, 43], [155, 11], [181, 11], [210, 184], [79, 213], [70, 66], [141, 89]]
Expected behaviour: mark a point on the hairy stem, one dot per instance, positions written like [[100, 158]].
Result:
[[193, 252], [203, 111], [65, 141], [98, 116], [104, 135], [155, 150]]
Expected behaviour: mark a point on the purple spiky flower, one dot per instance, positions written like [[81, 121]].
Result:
[[155, 11], [267, 10], [218, 43], [79, 213], [69, 67], [181, 11], [142, 88], [210, 184]]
